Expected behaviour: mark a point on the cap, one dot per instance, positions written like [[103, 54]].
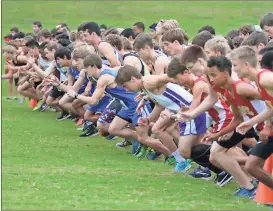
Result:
[[152, 27]]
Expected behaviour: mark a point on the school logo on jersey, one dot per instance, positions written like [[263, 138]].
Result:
[[246, 111]]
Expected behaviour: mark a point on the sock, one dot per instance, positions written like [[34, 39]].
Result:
[[88, 123], [178, 157]]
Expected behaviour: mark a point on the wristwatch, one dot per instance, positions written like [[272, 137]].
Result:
[[76, 95]]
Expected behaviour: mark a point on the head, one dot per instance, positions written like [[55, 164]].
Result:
[[36, 26], [233, 33], [63, 56], [256, 40], [237, 41], [14, 31], [270, 44], [127, 45], [245, 31], [129, 34], [194, 59], [18, 38], [243, 60], [129, 77], [114, 40], [9, 51], [79, 54], [267, 24], [169, 24], [138, 27], [33, 47], [201, 38], [44, 36], [267, 61], [178, 72], [111, 30], [217, 46], [91, 33], [207, 28], [230, 43], [62, 27], [173, 41], [93, 63], [262, 52], [219, 70], [103, 28], [50, 50], [144, 45], [153, 30], [41, 50]]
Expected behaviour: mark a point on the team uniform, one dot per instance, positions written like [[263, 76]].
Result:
[[264, 150], [55, 92], [172, 99]]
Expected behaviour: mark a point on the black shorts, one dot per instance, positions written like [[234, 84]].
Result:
[[55, 93], [37, 83], [263, 150], [236, 138], [16, 80]]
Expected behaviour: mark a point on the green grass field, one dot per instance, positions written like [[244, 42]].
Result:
[[47, 166]]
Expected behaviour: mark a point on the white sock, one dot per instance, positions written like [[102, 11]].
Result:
[[178, 157]]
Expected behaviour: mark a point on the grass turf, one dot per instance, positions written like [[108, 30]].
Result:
[[47, 166]]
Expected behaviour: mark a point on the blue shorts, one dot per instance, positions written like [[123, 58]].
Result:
[[101, 105], [110, 112], [197, 126], [130, 114]]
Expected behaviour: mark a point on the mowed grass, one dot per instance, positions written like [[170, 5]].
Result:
[[47, 166]]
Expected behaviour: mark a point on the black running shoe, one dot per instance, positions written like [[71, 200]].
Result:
[[63, 116], [125, 143], [223, 178], [91, 130]]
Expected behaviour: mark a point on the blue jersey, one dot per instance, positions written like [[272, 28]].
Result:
[[127, 99], [74, 72]]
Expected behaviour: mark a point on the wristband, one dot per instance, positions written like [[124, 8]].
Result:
[[58, 85], [76, 95]]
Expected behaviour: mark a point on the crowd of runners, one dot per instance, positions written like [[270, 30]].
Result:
[[206, 100]]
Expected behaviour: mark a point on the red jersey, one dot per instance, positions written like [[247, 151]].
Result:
[[220, 112], [249, 108]]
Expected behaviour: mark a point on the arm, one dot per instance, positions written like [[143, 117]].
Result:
[[105, 49], [78, 84], [197, 92], [70, 78], [156, 81], [160, 65], [98, 93], [248, 91]]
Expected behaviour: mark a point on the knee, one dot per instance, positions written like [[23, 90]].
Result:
[[113, 130], [49, 102], [87, 115], [155, 130], [185, 153], [250, 167]]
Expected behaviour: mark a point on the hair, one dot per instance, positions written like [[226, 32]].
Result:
[[267, 20], [172, 35], [128, 32], [43, 45], [32, 43], [19, 35], [237, 41], [255, 38], [82, 51], [201, 38], [44, 33], [92, 60], [15, 29], [269, 45], [142, 40], [73, 36], [127, 46], [246, 29], [115, 40], [192, 54], [37, 23], [125, 74], [233, 33], [169, 24], [64, 42], [51, 46], [222, 63], [175, 67], [207, 28], [103, 26], [140, 25], [9, 49], [62, 53], [111, 30], [267, 60], [81, 26], [230, 43], [218, 43], [264, 50], [245, 54], [91, 27]]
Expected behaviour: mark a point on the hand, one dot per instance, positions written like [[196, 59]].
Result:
[[139, 97], [143, 121], [226, 136], [243, 127], [140, 106], [52, 80], [166, 113], [184, 108], [264, 134], [71, 93], [184, 116], [209, 137], [31, 60]]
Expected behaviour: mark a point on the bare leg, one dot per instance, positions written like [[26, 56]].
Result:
[[118, 128], [186, 143]]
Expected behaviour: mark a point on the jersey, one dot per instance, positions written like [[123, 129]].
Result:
[[249, 108], [144, 69], [172, 98], [268, 99], [105, 60], [220, 112]]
